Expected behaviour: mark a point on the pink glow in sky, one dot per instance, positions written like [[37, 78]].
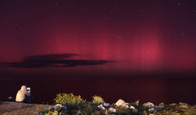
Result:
[[146, 36]]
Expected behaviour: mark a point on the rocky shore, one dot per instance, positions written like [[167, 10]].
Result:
[[90, 108], [122, 108]]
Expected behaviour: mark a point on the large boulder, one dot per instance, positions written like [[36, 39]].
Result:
[[119, 102]]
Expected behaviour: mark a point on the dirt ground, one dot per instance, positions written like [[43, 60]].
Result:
[[13, 108]]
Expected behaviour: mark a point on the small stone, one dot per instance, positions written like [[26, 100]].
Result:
[[58, 106], [132, 107], [10, 98], [111, 110], [180, 103], [173, 104], [64, 107], [125, 105], [106, 105], [135, 110], [162, 104], [101, 107], [151, 110], [119, 102], [183, 106], [159, 107], [137, 102], [148, 105]]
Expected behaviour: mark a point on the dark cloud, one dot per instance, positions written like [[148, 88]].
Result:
[[53, 60], [49, 57]]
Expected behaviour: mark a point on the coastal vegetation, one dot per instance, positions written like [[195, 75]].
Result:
[[69, 104]]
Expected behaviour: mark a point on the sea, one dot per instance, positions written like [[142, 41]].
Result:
[[146, 89]]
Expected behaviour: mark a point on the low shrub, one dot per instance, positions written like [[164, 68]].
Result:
[[97, 99], [68, 99]]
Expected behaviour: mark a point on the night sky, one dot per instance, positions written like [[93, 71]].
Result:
[[97, 36]]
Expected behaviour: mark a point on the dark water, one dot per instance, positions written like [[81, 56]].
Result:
[[156, 90]]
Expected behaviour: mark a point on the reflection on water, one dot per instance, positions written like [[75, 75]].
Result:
[[156, 90]]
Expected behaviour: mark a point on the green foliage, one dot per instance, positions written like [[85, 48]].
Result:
[[97, 99], [77, 106], [52, 113], [68, 99]]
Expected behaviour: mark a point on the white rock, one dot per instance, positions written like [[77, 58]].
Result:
[[111, 110], [173, 104], [181, 103], [132, 107], [101, 107], [125, 105], [162, 104], [106, 105], [184, 106], [58, 106], [151, 110], [148, 105], [119, 102]]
